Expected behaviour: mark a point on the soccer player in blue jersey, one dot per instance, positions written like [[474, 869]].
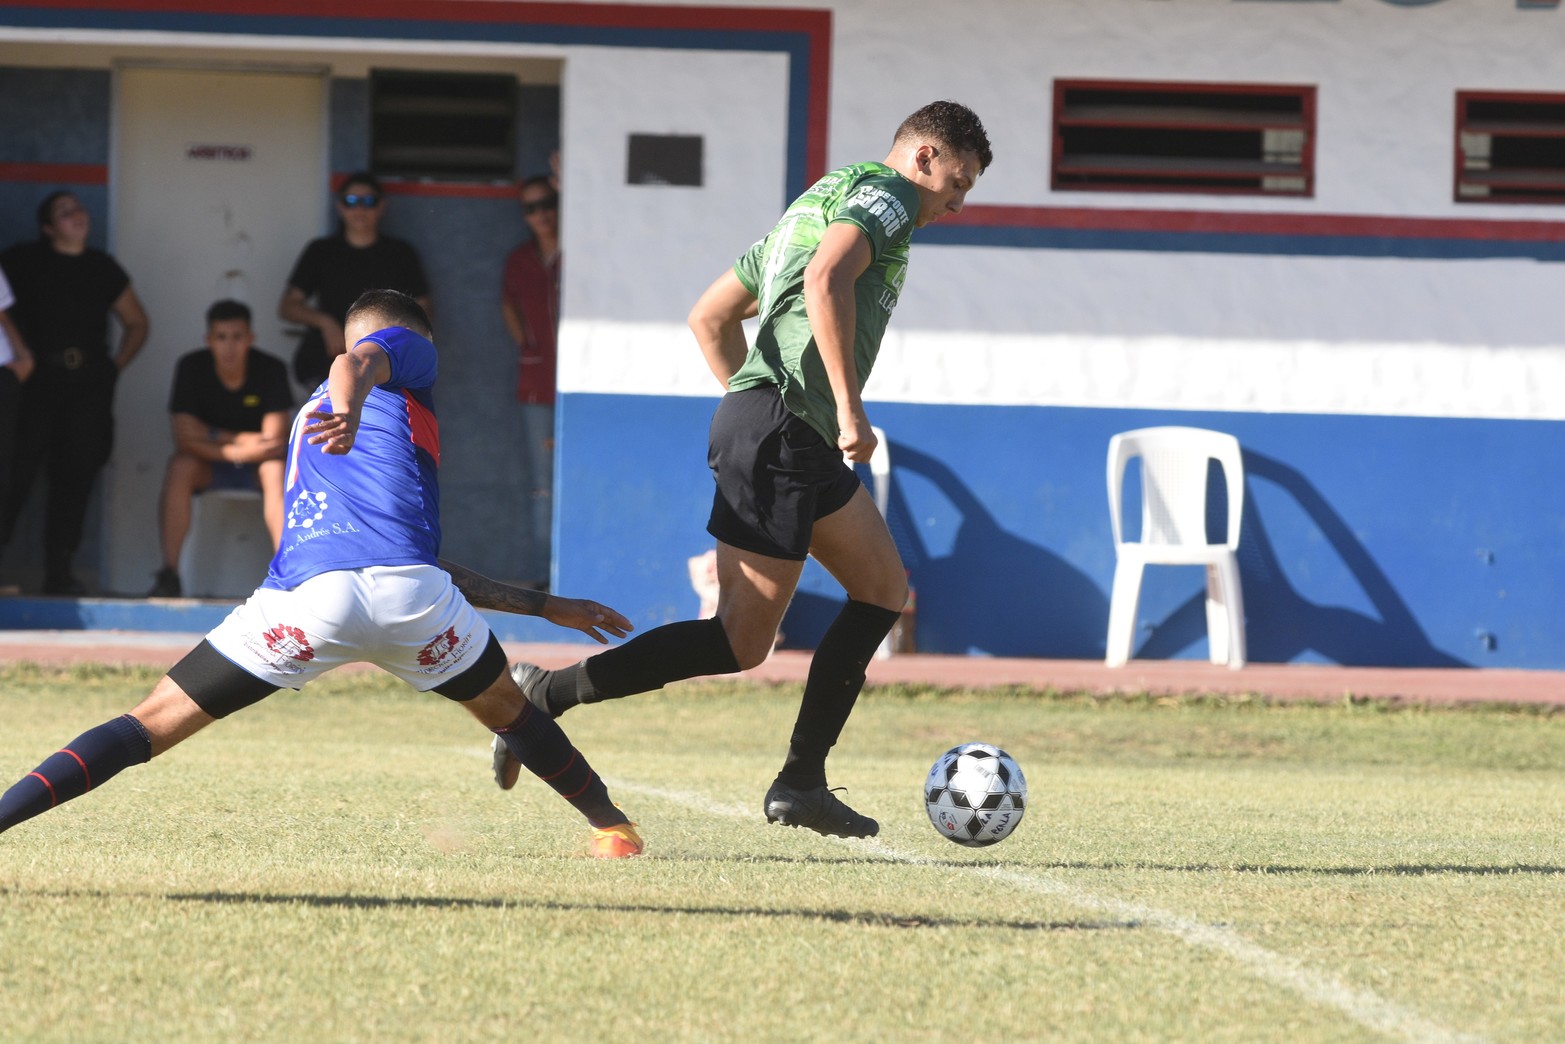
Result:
[[356, 579], [823, 283]]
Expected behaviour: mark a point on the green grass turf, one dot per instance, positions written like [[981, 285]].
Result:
[[337, 865]]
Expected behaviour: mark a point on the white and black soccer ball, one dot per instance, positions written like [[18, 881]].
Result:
[[975, 794]]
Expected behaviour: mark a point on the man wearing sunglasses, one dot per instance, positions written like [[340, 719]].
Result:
[[334, 270], [530, 305]]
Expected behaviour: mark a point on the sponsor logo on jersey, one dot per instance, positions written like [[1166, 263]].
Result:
[[882, 206], [306, 510]]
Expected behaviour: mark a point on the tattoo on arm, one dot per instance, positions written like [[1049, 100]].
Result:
[[485, 593]]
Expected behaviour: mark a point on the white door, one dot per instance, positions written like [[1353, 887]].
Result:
[[219, 179]]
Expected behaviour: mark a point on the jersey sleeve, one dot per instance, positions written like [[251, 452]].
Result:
[[307, 271], [185, 395], [748, 268], [115, 279], [412, 357], [276, 393], [883, 207]]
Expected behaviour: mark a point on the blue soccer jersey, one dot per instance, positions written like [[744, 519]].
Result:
[[378, 504]]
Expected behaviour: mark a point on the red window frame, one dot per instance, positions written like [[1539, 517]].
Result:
[[1513, 182], [1090, 104]]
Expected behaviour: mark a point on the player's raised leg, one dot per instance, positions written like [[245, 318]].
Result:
[[537, 743]]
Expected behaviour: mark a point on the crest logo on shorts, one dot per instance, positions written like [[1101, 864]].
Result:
[[441, 647], [289, 641], [306, 510]]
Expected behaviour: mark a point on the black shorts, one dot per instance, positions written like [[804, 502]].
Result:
[[775, 475]]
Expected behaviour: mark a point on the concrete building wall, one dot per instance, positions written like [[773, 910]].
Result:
[[1386, 355]]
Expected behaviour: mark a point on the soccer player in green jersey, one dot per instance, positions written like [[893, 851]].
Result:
[[824, 282]]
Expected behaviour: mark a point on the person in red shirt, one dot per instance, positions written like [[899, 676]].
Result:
[[530, 305]]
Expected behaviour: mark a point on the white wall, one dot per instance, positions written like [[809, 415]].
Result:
[[1285, 332], [641, 254]]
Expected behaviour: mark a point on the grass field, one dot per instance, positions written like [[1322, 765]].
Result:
[[337, 865]]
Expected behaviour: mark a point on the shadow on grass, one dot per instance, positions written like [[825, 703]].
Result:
[[870, 918]]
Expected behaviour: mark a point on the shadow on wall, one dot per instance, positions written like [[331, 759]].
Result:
[[1281, 625], [993, 594]]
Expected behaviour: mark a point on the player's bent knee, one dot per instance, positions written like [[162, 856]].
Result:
[[477, 678]]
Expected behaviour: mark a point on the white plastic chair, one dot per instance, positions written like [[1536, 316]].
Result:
[[880, 470], [1174, 467], [228, 548]]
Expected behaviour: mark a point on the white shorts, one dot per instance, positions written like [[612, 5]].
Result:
[[408, 620]]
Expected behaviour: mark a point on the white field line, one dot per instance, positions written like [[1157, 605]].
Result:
[[1364, 1007]]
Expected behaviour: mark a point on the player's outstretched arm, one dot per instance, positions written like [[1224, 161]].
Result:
[[348, 383], [580, 614]]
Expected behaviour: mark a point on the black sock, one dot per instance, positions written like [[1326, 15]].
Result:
[[90, 760], [673, 652], [548, 753], [836, 676]]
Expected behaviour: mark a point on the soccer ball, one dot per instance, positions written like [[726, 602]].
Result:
[[975, 794]]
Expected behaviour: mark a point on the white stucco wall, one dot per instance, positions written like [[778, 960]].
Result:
[[1286, 332]]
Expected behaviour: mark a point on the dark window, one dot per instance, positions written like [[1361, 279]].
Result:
[[1117, 136], [664, 159], [1510, 148], [460, 126]]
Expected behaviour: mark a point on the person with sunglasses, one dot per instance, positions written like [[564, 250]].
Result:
[[530, 305], [334, 270]]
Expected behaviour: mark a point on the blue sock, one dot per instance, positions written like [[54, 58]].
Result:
[[90, 760], [545, 750]]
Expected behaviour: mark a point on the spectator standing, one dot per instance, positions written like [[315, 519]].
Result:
[[334, 270], [530, 305], [65, 292], [229, 407], [16, 365]]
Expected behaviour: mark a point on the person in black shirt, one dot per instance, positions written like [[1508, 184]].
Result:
[[333, 271], [65, 291], [230, 409]]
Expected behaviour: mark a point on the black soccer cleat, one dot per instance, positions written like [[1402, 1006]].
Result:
[[816, 809]]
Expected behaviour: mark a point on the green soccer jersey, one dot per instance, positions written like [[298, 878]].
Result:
[[881, 203]]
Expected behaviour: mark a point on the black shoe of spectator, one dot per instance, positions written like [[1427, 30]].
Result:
[[167, 585]]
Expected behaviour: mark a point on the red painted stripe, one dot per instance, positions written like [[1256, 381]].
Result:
[[79, 761], [56, 173], [436, 189], [571, 761], [53, 798], [1252, 223]]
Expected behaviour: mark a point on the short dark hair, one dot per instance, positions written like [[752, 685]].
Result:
[[536, 181], [361, 177], [226, 310], [951, 124], [392, 308], [45, 209]]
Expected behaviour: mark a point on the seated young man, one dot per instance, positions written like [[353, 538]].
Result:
[[230, 408]]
